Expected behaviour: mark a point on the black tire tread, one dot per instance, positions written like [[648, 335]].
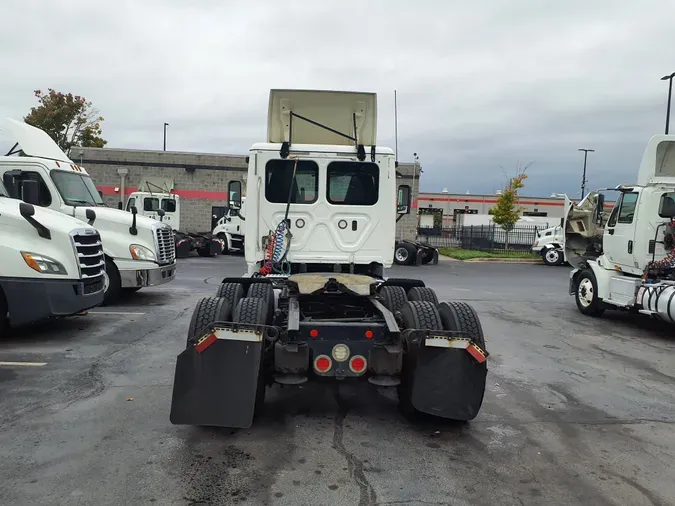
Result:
[[264, 292], [250, 310], [465, 320], [233, 292], [423, 293], [421, 315], [393, 297], [207, 311]]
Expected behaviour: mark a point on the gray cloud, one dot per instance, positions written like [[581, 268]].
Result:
[[481, 85]]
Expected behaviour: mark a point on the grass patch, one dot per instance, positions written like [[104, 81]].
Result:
[[469, 254]]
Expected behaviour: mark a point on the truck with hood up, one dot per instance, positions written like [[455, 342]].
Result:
[[625, 260], [139, 251]]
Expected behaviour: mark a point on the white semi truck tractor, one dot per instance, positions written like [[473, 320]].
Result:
[[51, 265], [626, 260], [139, 251], [314, 304]]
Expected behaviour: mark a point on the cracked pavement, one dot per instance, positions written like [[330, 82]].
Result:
[[577, 411]]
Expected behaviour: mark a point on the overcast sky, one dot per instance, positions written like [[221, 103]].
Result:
[[481, 85]]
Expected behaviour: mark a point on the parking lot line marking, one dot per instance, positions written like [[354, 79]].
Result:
[[23, 364], [115, 312]]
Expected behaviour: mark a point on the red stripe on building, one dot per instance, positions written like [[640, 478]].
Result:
[[186, 194]]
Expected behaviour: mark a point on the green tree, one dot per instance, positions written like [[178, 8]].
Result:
[[506, 212], [69, 119]]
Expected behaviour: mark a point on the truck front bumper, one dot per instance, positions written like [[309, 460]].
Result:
[[134, 274], [32, 300]]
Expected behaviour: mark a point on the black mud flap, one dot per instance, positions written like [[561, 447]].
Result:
[[217, 387], [448, 383]]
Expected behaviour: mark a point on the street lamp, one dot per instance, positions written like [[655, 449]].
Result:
[[165, 125], [670, 93], [583, 178]]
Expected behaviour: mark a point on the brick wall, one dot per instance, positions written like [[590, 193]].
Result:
[[208, 174]]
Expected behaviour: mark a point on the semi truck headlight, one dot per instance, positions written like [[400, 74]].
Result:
[[43, 264], [139, 252]]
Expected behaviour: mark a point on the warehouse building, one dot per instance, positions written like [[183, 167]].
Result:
[[200, 179]]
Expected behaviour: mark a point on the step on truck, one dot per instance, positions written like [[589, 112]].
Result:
[[139, 251], [164, 205], [51, 265], [625, 260], [314, 304]]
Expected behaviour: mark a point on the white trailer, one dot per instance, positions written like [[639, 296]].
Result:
[[139, 251], [51, 265], [626, 260]]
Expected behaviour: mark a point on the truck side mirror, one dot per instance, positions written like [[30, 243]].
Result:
[[161, 213], [30, 191], [403, 200], [234, 194], [599, 208]]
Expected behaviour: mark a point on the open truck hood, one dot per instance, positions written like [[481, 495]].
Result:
[[583, 236], [333, 109], [33, 141]]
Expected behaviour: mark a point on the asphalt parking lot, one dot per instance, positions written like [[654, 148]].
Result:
[[578, 411]]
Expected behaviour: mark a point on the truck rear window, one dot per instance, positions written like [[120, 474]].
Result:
[[353, 183], [278, 177]]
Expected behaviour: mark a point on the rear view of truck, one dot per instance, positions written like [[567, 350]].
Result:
[[51, 265]]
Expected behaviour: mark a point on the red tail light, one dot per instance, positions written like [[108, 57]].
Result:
[[358, 364], [369, 334], [313, 333], [322, 363]]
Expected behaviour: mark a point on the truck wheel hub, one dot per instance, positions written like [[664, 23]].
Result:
[[552, 255], [401, 254], [585, 292]]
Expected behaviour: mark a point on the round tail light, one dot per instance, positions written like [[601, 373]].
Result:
[[323, 363], [358, 364]]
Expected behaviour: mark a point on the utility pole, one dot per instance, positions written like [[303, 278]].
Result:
[[165, 125], [670, 93], [583, 177]]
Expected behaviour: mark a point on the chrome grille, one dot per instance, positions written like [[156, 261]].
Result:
[[89, 254], [166, 246]]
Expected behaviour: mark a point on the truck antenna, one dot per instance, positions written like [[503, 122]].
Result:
[[396, 126]]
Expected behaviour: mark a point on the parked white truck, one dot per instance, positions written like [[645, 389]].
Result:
[[139, 251], [550, 244], [230, 228], [627, 260], [51, 265]]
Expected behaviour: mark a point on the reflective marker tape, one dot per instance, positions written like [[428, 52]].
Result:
[[23, 364], [441, 342]]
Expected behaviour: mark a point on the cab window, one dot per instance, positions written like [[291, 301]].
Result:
[[353, 183], [150, 204], [627, 210], [13, 185], [278, 178], [169, 205], [131, 203]]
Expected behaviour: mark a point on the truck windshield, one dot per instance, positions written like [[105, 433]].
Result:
[[76, 189]]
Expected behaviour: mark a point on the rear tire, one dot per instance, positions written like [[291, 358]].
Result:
[[414, 315], [233, 292], [264, 292], [207, 311], [586, 294], [393, 297], [254, 311], [423, 293], [462, 317], [223, 238], [427, 256], [401, 254]]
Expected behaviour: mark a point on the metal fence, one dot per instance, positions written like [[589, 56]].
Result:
[[481, 237]]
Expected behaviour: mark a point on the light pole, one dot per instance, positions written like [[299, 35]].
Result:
[[670, 93], [583, 177], [165, 125]]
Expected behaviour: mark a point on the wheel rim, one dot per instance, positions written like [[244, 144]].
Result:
[[106, 282], [552, 256], [585, 292], [401, 254]]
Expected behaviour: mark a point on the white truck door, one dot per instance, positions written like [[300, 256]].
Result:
[[619, 235]]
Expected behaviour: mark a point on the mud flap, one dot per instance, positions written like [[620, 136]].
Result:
[[218, 386], [447, 383]]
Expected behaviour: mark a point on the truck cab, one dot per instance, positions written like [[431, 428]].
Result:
[[230, 228], [626, 260], [51, 265], [139, 251]]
